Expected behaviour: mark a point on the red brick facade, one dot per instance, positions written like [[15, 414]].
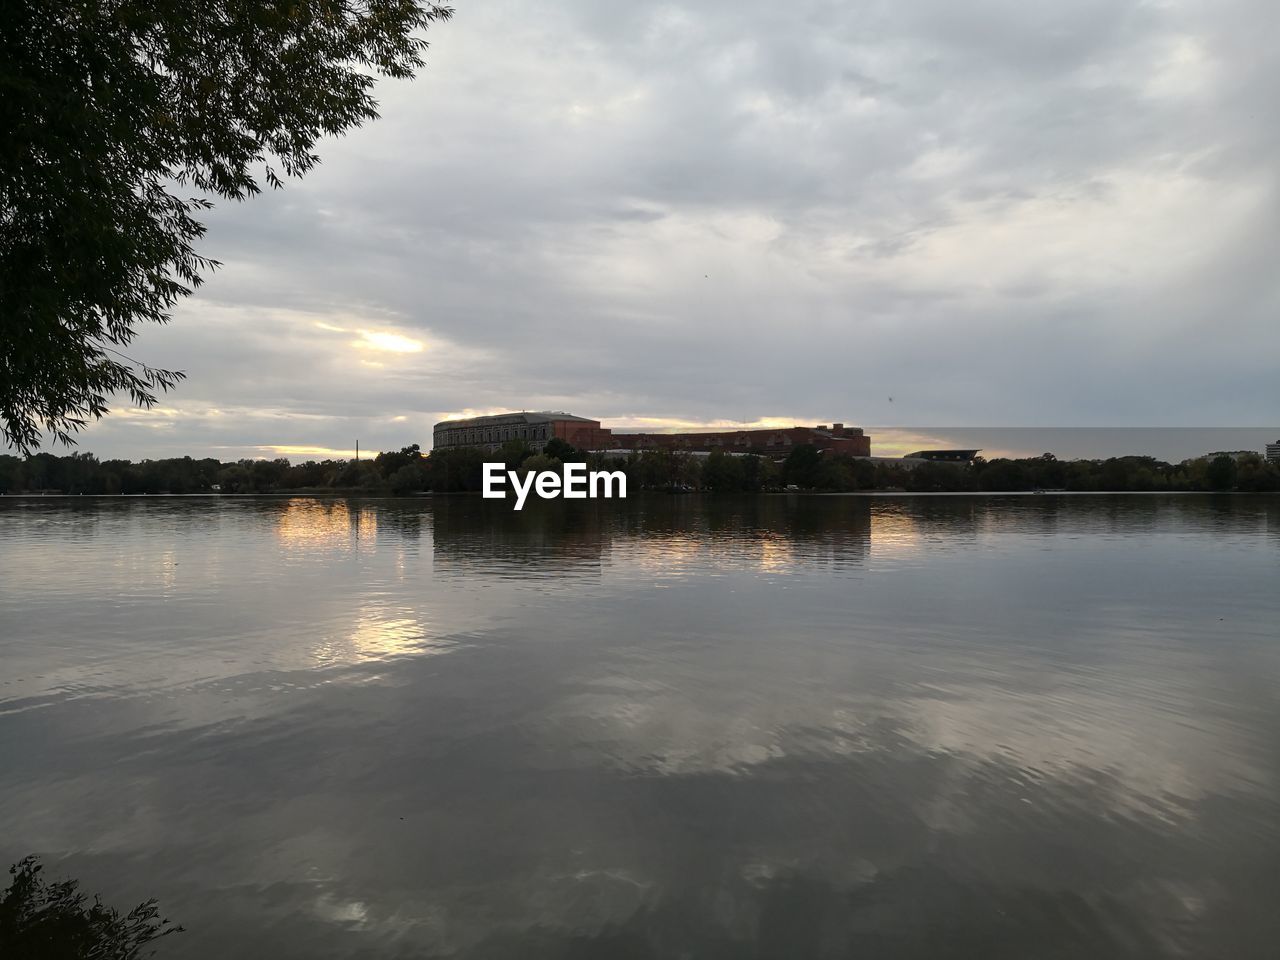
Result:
[[839, 439], [583, 434]]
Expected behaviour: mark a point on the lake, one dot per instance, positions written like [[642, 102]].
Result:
[[884, 727]]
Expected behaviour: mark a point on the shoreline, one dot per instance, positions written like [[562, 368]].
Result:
[[427, 495]]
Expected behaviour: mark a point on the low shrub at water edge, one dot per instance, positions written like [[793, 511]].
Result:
[[53, 921]]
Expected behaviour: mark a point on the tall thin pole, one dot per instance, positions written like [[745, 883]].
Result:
[[357, 451]]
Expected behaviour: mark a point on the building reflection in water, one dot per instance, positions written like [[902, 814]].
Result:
[[472, 536], [663, 534], [895, 532], [327, 524]]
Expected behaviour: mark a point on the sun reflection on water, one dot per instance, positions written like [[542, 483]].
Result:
[[894, 532], [316, 524], [776, 553], [376, 637]]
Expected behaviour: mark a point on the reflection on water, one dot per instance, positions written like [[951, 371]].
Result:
[[323, 525], [669, 537], [772, 727], [377, 637]]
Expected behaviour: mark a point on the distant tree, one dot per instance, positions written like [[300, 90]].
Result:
[[268, 475], [358, 475], [515, 452], [1004, 474], [12, 475], [389, 462], [1256, 475], [111, 114], [890, 476], [688, 471], [455, 470], [408, 479], [835, 474], [652, 469], [1048, 472], [802, 466], [722, 472], [661, 470], [52, 921], [561, 450], [306, 474], [460, 469], [864, 474], [757, 472], [234, 478], [1221, 473], [539, 462], [932, 477]]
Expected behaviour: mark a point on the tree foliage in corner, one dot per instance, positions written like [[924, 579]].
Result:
[[52, 921], [112, 112]]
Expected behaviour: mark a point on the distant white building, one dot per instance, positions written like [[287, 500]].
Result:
[[1273, 452]]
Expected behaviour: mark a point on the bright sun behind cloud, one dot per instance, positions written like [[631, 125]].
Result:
[[391, 342]]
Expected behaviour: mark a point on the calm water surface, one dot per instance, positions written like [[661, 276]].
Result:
[[1010, 727]]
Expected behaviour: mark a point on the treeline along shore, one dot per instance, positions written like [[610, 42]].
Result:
[[409, 471]]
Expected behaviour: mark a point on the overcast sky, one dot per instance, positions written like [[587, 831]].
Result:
[[990, 213]]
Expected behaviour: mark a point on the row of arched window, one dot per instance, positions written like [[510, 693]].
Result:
[[462, 436]]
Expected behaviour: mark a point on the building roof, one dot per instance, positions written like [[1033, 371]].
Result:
[[524, 416], [945, 455]]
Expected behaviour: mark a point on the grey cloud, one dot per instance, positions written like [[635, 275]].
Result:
[[1009, 213]]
